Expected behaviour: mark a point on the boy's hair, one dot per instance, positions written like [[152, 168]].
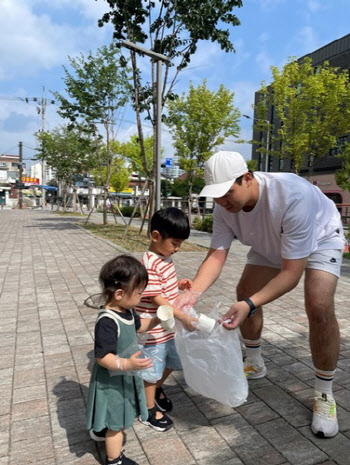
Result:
[[171, 222], [122, 272]]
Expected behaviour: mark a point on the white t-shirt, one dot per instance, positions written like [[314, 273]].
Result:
[[291, 220]]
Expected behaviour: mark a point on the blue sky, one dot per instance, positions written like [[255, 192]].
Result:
[[36, 36]]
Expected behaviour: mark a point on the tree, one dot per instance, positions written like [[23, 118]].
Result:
[[180, 187], [342, 176], [132, 152], [174, 29], [69, 152], [199, 122], [98, 92], [118, 176], [312, 108]]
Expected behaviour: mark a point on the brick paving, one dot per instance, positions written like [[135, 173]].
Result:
[[48, 267]]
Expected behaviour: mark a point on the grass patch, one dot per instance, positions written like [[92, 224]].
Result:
[[346, 255], [69, 213], [134, 242]]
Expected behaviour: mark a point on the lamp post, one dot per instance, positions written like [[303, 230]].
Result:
[[159, 58], [267, 138]]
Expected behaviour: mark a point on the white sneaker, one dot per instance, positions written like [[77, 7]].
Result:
[[253, 371], [324, 420]]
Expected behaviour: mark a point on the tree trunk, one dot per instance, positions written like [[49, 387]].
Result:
[[105, 221], [190, 203], [74, 199]]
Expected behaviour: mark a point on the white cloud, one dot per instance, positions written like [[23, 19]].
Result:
[[313, 5], [269, 4], [32, 42], [264, 62], [306, 41]]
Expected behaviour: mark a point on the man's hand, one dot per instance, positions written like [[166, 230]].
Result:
[[185, 284], [236, 315]]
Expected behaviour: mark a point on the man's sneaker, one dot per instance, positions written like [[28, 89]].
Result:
[[121, 460], [101, 435], [253, 371], [161, 424], [163, 403], [324, 420]]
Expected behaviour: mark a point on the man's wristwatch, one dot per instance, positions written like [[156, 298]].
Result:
[[252, 307]]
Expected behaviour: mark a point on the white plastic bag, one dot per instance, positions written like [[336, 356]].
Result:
[[213, 364]]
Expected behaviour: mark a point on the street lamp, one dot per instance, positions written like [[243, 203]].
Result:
[[267, 138], [159, 58]]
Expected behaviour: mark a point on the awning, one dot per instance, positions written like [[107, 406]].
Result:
[[49, 188]]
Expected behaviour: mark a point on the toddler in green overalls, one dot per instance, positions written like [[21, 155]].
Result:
[[116, 395]]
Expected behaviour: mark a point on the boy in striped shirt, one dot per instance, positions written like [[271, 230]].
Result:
[[169, 228]]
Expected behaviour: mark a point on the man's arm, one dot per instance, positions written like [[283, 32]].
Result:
[[286, 280], [210, 269]]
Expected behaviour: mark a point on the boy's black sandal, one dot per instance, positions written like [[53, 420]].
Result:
[[161, 425], [164, 404]]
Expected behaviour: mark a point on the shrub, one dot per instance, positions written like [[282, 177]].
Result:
[[127, 211], [205, 224]]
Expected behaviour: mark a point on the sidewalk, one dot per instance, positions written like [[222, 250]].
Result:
[[48, 267]]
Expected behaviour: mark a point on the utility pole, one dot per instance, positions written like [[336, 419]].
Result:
[[20, 192], [43, 164]]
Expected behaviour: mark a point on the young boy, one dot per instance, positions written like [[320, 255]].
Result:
[[169, 228]]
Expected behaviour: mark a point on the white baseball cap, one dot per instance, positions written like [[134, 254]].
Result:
[[221, 171]]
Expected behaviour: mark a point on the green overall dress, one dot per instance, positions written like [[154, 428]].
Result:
[[116, 399]]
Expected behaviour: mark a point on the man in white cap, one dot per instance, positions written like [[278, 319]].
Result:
[[292, 228]]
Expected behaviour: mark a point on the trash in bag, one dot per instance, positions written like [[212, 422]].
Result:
[[150, 373], [213, 364]]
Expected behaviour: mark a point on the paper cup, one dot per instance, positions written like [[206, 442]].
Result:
[[166, 314], [205, 323]]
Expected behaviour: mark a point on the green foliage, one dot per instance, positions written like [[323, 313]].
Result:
[[342, 176], [175, 28], [252, 165], [312, 109], [68, 152], [200, 121], [97, 88], [127, 211], [132, 151], [205, 224], [180, 187], [117, 176]]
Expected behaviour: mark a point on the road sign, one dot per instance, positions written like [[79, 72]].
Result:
[[168, 162]]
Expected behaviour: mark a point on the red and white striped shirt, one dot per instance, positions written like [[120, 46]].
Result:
[[162, 281]]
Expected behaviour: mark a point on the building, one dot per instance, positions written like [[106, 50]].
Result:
[[36, 171], [9, 173], [337, 53]]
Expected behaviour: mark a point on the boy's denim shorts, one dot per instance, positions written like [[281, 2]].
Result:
[[163, 356]]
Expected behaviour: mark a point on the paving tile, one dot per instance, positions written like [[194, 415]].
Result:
[[30, 428], [337, 448], [246, 442], [285, 405], [208, 448], [290, 443]]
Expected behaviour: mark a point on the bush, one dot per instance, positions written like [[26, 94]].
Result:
[[127, 211], [205, 224]]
